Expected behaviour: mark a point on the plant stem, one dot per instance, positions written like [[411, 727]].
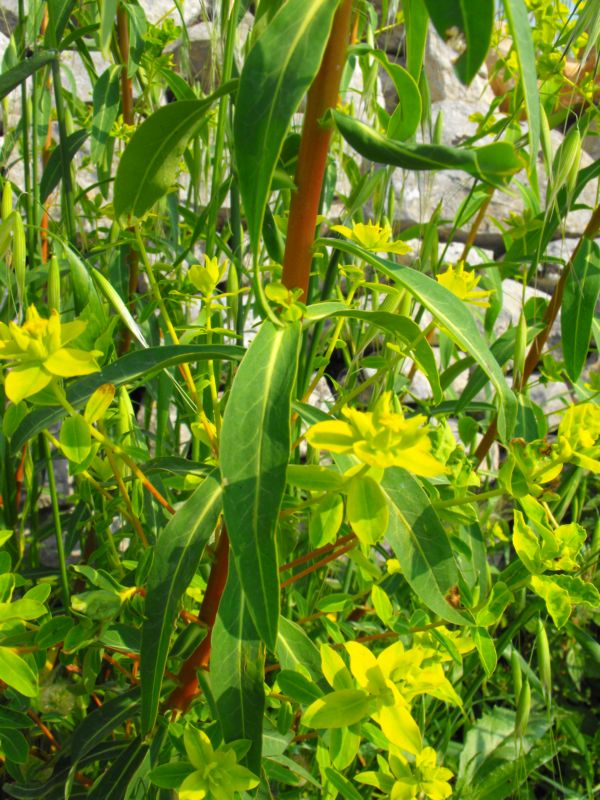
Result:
[[184, 694], [468, 498], [535, 351], [312, 158], [62, 564]]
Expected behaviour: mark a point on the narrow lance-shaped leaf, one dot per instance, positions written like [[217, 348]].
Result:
[[237, 671], [278, 71], [578, 306], [149, 164], [520, 30], [421, 544], [473, 20], [53, 169], [452, 315], [106, 110], [98, 725], [12, 78], [176, 558], [492, 163], [255, 448], [127, 369]]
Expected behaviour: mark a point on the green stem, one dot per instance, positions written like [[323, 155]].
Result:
[[62, 564], [467, 498]]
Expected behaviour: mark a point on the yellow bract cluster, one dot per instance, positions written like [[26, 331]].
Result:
[[380, 438], [37, 353], [463, 283], [373, 237]]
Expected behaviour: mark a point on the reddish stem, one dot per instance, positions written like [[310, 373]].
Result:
[[312, 158], [182, 696]]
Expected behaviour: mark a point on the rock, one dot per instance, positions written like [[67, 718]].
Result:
[[513, 298], [9, 15], [443, 81], [591, 143], [193, 10], [551, 397]]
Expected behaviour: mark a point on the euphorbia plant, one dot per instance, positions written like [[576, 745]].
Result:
[[287, 579]]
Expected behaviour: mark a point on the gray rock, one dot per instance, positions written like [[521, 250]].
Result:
[[443, 81]]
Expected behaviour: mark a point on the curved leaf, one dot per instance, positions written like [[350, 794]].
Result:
[[12, 78], [255, 449], [176, 558], [149, 164], [237, 671], [278, 71], [127, 369], [474, 20], [578, 306], [452, 314], [98, 725], [113, 785], [106, 110], [492, 163], [421, 544]]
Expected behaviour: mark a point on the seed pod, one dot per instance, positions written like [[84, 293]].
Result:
[[54, 285], [7, 200], [19, 255], [517, 676], [543, 656], [523, 709], [520, 350]]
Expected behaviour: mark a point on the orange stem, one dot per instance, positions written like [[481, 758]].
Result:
[[312, 158]]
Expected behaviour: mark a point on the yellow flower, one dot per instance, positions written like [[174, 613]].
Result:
[[381, 438], [463, 284], [578, 434], [372, 237], [38, 353], [217, 776], [206, 278]]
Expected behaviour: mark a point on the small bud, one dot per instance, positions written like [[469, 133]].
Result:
[[54, 285], [523, 709]]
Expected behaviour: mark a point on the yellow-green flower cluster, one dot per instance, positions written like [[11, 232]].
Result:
[[37, 354], [463, 284]]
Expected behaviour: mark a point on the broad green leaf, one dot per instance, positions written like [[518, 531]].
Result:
[[113, 785], [237, 671], [75, 439], [278, 71], [12, 78], [519, 26], [17, 673], [473, 20], [53, 631], [452, 315], [105, 112], [108, 14], [325, 520], [58, 16], [171, 776], [367, 510], [342, 784], [579, 305], [492, 163], [150, 162], [98, 725], [339, 709], [176, 558], [405, 118], [128, 369], [420, 544], [296, 686], [14, 746], [398, 326], [255, 449], [295, 648], [53, 169]]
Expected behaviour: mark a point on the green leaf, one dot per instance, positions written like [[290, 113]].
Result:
[[176, 558], [452, 315], [492, 163], [127, 369], [59, 12], [98, 725], [343, 785], [519, 26], [53, 169], [75, 439], [16, 673], [14, 746], [398, 326], [108, 14], [367, 510], [237, 672], [416, 21], [339, 709], [486, 649], [406, 117], [171, 776], [325, 520], [150, 162], [420, 544], [295, 648], [278, 71], [295, 685], [113, 785], [12, 78], [579, 305], [474, 20], [255, 449], [105, 112]]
